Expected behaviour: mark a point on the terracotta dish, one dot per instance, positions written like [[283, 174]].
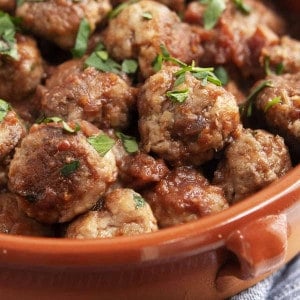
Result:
[[212, 258]]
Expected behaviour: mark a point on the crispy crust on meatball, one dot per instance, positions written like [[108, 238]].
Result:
[[189, 132], [184, 195], [252, 161], [125, 214], [59, 174]]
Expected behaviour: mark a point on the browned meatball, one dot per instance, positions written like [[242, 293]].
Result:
[[285, 53], [12, 131], [184, 195], [188, 132], [125, 213], [227, 42], [254, 160], [59, 174], [74, 92], [58, 20], [130, 35], [14, 221], [19, 77], [7, 5], [280, 107], [177, 5]]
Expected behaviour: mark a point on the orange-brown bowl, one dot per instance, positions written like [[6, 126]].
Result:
[[212, 258]]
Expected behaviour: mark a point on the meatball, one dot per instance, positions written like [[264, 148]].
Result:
[[7, 5], [190, 132], [285, 53], [125, 213], [227, 42], [12, 130], [25, 73], [177, 5], [74, 92], [279, 106], [184, 195], [59, 20], [15, 221], [254, 160], [131, 35], [59, 174]]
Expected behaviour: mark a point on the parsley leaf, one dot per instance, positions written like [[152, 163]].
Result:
[[99, 61], [4, 108], [129, 66], [7, 36], [102, 143], [248, 106], [212, 12], [272, 102], [222, 74], [119, 8], [82, 37], [139, 201], [65, 125], [178, 95], [69, 168], [147, 15], [129, 142], [242, 7], [278, 69]]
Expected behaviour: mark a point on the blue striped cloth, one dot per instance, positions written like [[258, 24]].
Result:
[[282, 285]]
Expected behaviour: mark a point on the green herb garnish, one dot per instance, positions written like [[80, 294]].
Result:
[[147, 15], [222, 74], [69, 168], [272, 102], [65, 125], [165, 56], [129, 66], [212, 12], [82, 37], [178, 95], [101, 61], [119, 8], [242, 7], [4, 109], [139, 201], [129, 142], [278, 69], [102, 143], [7, 36], [248, 106]]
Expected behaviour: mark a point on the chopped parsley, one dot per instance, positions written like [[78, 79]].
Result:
[[139, 201], [101, 61], [272, 102], [212, 13], [163, 57], [102, 143], [205, 75], [248, 106], [222, 74], [129, 142], [147, 15], [129, 66], [65, 125], [119, 8], [7, 36], [279, 68], [178, 95], [82, 37], [242, 7], [69, 168], [4, 108]]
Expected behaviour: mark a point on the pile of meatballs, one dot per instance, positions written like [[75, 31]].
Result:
[[209, 116]]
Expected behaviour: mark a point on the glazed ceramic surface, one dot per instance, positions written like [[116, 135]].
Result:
[[211, 258]]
